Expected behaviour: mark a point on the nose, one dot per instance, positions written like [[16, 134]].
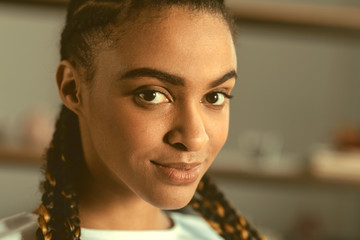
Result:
[[188, 132]]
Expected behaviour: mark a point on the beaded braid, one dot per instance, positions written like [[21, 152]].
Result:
[[58, 213], [89, 27], [220, 215]]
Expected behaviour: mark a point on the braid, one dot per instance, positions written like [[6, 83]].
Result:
[[217, 211], [58, 213]]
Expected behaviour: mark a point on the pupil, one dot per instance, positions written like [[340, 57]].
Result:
[[212, 98], [149, 95]]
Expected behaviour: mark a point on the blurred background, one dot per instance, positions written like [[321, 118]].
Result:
[[292, 160]]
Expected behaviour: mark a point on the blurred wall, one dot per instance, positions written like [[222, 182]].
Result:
[[284, 210], [29, 56], [296, 82], [29, 37], [301, 83], [20, 189]]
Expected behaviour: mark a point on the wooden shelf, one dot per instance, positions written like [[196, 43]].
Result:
[[20, 155], [295, 13], [31, 157], [47, 2], [305, 178], [276, 12]]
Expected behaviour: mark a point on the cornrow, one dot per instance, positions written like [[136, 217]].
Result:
[[210, 202], [90, 25], [83, 36]]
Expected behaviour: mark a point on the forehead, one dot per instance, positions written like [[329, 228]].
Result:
[[183, 42]]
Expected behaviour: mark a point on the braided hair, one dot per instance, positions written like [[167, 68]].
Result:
[[81, 38]]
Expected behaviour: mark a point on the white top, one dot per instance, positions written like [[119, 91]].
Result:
[[186, 227]]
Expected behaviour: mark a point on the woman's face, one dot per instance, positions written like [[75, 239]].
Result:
[[157, 112]]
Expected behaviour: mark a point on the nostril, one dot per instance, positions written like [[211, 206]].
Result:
[[186, 138], [174, 142], [180, 146]]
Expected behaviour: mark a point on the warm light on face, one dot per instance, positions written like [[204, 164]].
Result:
[[158, 111]]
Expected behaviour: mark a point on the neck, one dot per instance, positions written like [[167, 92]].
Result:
[[100, 208]]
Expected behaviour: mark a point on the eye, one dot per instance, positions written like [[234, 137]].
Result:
[[153, 97], [216, 98]]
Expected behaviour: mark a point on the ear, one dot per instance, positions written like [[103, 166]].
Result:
[[68, 82]]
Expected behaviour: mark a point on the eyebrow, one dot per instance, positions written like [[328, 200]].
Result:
[[170, 78], [227, 76]]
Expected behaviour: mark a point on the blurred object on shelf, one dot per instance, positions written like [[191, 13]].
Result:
[[306, 226], [37, 130], [16, 155], [25, 139], [261, 146], [2, 134], [260, 152], [329, 163], [347, 139], [341, 159]]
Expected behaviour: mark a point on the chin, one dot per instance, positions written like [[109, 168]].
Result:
[[173, 206], [174, 199]]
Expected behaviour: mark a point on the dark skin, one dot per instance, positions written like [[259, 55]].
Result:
[[158, 100]]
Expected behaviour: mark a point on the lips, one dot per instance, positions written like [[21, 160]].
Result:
[[178, 166], [178, 173]]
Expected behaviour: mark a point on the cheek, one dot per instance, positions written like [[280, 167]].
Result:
[[218, 131], [126, 130], [124, 138]]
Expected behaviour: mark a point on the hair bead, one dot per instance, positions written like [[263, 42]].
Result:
[[44, 213], [220, 210], [50, 179], [215, 226], [242, 221], [244, 234], [48, 236]]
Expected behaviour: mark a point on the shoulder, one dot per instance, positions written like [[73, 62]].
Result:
[[194, 227], [21, 226]]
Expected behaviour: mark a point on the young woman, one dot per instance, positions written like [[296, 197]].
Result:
[[145, 86]]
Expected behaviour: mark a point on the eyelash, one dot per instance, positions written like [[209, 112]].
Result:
[[146, 90], [142, 91], [224, 94]]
